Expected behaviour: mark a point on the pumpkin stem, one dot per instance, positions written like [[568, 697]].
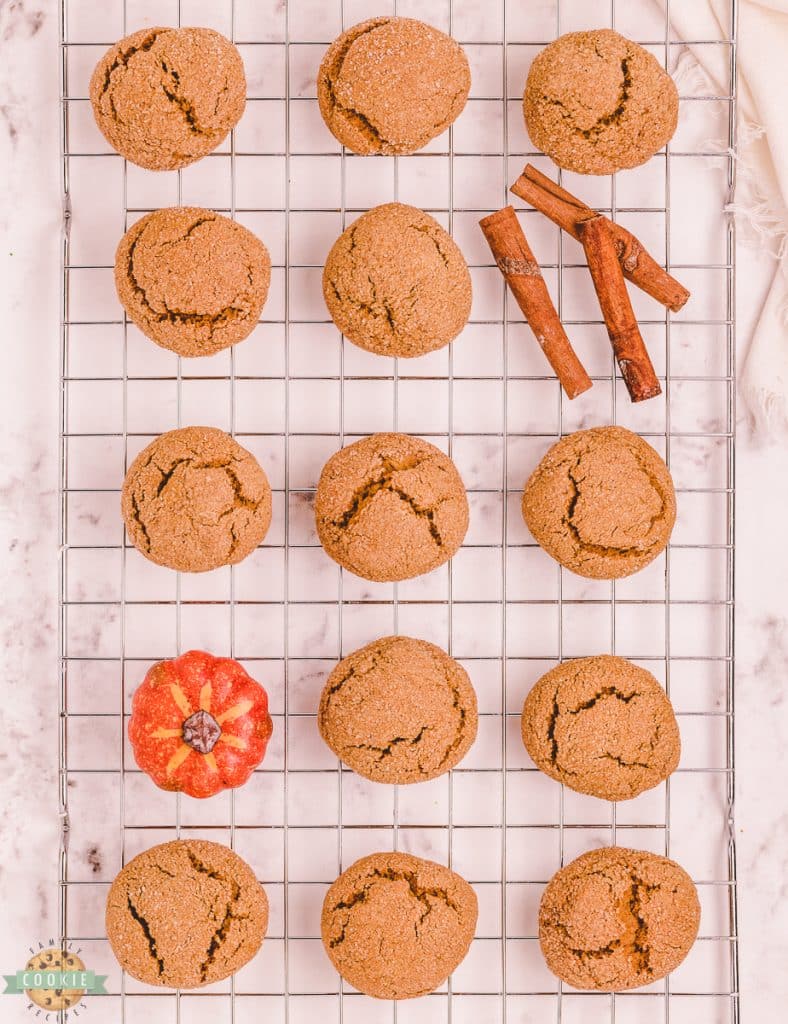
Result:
[[201, 731]]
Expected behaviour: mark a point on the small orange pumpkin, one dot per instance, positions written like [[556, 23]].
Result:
[[199, 724]]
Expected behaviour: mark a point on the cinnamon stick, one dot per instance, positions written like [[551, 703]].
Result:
[[516, 262], [568, 213], [622, 327]]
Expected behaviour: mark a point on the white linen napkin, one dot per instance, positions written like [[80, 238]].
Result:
[[761, 200]]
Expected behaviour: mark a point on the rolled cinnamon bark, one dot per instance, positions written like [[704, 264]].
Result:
[[622, 326], [568, 212], [516, 262]]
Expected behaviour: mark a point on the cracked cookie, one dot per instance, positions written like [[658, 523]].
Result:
[[395, 926], [596, 102], [396, 284], [192, 280], [616, 919], [602, 726], [601, 502], [185, 914], [390, 507], [194, 500], [399, 710], [164, 97], [389, 85]]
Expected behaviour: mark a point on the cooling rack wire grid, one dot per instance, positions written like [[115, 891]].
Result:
[[293, 394]]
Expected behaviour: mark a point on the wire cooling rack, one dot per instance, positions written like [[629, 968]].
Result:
[[294, 393]]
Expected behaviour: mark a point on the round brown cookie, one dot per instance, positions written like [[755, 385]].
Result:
[[602, 726], [601, 502], [596, 102], [396, 926], [185, 914], [164, 97], [54, 959], [194, 499], [395, 283], [399, 710], [616, 919], [390, 507], [192, 280], [389, 85]]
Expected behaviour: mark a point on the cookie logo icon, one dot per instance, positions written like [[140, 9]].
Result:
[[54, 980], [41, 965]]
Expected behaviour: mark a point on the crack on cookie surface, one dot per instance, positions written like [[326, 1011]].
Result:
[[571, 742], [180, 517], [124, 56], [432, 234], [458, 706], [395, 741], [615, 116], [551, 725], [146, 931], [395, 926], [379, 308], [391, 746], [138, 518], [395, 282], [220, 935], [634, 943], [423, 894], [641, 950], [597, 102], [194, 462], [173, 94], [611, 551], [360, 121], [353, 119], [601, 502], [605, 691], [381, 717], [171, 84], [605, 120], [384, 481], [390, 507], [213, 321], [617, 918], [185, 914]]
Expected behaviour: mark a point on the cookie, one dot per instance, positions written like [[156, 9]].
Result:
[[399, 710], [396, 284], [54, 959], [602, 726], [164, 97], [194, 500], [601, 502], [390, 507], [396, 926], [597, 103], [617, 919], [185, 914], [389, 85], [192, 280]]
